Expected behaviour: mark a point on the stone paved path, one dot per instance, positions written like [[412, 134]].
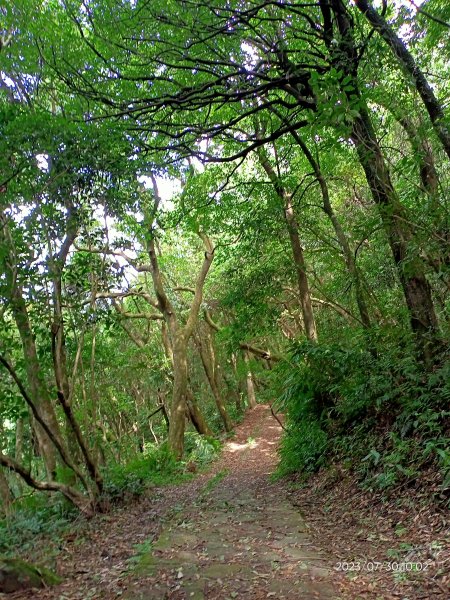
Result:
[[239, 537]]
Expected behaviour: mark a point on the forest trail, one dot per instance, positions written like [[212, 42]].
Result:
[[229, 533], [239, 537]]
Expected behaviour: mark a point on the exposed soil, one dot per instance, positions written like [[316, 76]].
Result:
[[234, 533]]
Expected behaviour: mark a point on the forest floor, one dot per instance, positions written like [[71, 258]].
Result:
[[232, 532]]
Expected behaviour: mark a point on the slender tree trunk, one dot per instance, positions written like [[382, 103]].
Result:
[[233, 388], [19, 440], [423, 153], [302, 279], [196, 415], [89, 460], [38, 418], [340, 233], [207, 356], [5, 494], [56, 267], [59, 341], [193, 411], [296, 247], [166, 343], [410, 268], [179, 395], [406, 60], [238, 393], [39, 392], [36, 384], [249, 380], [162, 402], [180, 334], [83, 503], [439, 259]]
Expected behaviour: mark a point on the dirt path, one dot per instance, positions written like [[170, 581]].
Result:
[[232, 533], [229, 533], [240, 537]]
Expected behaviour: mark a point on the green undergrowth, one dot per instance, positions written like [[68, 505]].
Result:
[[200, 449], [380, 413], [156, 466], [37, 517]]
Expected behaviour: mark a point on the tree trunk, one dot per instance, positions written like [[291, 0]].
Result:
[[89, 460], [193, 411], [19, 439], [423, 152], [56, 264], [410, 268], [249, 380], [40, 420], [196, 415], [302, 279], [408, 63], [296, 247], [39, 392], [339, 231], [5, 494], [233, 392], [84, 504], [179, 394], [180, 334], [207, 356], [36, 384], [238, 393]]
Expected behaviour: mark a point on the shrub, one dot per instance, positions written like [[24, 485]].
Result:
[[382, 410], [157, 465], [200, 449], [302, 448]]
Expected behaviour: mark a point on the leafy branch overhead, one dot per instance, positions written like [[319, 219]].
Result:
[[206, 206]]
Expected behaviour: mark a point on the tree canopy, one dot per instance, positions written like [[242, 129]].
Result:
[[204, 205]]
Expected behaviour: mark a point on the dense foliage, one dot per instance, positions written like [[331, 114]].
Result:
[[204, 205]]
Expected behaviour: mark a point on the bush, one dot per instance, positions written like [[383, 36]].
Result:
[[302, 448], [382, 410], [156, 466], [200, 449]]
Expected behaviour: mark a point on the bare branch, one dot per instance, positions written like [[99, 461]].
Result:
[[58, 445], [265, 354], [198, 295], [184, 289], [73, 495], [210, 321]]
